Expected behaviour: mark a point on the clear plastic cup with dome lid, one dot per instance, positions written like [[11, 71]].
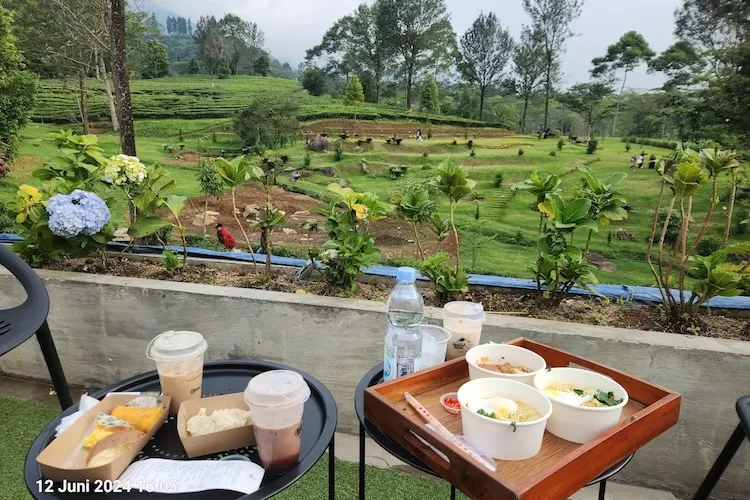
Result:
[[179, 362], [276, 400], [464, 320]]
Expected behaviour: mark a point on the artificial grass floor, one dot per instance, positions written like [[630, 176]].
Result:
[[22, 420]]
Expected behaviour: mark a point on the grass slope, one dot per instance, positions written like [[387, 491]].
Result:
[[204, 96], [510, 216]]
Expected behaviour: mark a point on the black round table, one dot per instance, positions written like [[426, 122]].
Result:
[[375, 377], [219, 377]]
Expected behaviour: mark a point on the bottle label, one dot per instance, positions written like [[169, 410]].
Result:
[[390, 360], [405, 366]]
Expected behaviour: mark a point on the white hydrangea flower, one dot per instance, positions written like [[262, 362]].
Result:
[[124, 169]]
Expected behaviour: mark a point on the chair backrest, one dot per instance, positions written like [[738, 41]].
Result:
[[29, 316]]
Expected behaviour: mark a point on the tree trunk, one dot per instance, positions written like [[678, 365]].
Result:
[[409, 81], [523, 117], [619, 99], [84, 101], [547, 91], [122, 80], [482, 90], [108, 89]]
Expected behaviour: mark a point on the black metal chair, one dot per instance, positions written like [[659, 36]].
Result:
[[730, 449], [30, 318]]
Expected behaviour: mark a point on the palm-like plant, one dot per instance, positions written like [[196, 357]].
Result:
[[540, 187], [454, 183], [607, 204], [235, 173], [440, 227], [416, 207]]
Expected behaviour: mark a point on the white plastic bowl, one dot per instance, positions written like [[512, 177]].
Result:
[[497, 438], [501, 353], [581, 424]]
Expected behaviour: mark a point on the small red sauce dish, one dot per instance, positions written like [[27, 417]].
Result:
[[450, 402]]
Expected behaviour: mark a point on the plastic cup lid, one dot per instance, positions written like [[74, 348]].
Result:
[[406, 275], [176, 345], [468, 310], [277, 388]]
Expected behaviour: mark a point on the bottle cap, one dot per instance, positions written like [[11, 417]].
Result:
[[406, 275]]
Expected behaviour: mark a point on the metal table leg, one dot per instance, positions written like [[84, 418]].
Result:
[[361, 462], [332, 468], [721, 464], [47, 345], [453, 492], [603, 490]]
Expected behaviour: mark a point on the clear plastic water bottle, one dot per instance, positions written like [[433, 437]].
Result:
[[405, 311]]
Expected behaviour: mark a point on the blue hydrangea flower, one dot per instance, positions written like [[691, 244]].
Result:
[[79, 212]]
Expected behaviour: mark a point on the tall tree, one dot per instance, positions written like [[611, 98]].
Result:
[[485, 50], [420, 33], [679, 62], [528, 60], [122, 79], [262, 65], [586, 99], [356, 43], [551, 19], [354, 95], [629, 52], [242, 39], [17, 89], [189, 27], [314, 81], [212, 49], [155, 60], [429, 101]]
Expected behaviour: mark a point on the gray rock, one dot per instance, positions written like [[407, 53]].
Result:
[[251, 211], [329, 172], [288, 230]]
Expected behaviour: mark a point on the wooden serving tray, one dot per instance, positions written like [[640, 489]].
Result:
[[561, 467]]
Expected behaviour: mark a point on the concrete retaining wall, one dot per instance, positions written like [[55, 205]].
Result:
[[102, 324]]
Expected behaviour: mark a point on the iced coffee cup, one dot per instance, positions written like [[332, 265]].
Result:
[[464, 321], [179, 362], [276, 400]]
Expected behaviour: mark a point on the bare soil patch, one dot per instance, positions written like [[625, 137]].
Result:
[[590, 311]]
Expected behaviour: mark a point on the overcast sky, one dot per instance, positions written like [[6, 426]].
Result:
[[293, 26]]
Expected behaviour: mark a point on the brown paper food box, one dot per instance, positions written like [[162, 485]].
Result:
[[52, 460], [230, 439]]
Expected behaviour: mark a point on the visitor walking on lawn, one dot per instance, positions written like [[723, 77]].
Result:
[[652, 162], [632, 162], [641, 158]]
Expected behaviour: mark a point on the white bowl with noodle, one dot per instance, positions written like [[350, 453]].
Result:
[[504, 361], [514, 436], [569, 389]]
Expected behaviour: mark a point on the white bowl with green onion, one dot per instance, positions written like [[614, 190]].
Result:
[[585, 404]]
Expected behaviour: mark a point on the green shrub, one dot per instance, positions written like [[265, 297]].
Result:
[[205, 243], [7, 223], [553, 153], [448, 282], [338, 150], [473, 153], [425, 154], [499, 177], [397, 172], [560, 144], [743, 214], [709, 245], [308, 159], [269, 122], [627, 146], [426, 166], [520, 151], [592, 146]]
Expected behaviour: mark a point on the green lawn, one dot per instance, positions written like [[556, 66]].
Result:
[[23, 420], [508, 215]]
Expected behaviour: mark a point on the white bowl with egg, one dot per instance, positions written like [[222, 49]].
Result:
[[497, 354], [572, 421], [503, 439]]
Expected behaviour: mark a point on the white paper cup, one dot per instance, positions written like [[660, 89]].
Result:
[[434, 345], [179, 362], [497, 438], [464, 320], [581, 424], [504, 353]]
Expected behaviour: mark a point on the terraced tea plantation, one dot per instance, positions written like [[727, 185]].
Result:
[[201, 96]]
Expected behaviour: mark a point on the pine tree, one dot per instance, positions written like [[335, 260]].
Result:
[[355, 94], [430, 99]]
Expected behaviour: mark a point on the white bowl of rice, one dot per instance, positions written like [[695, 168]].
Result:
[[502, 418], [585, 404], [504, 361]]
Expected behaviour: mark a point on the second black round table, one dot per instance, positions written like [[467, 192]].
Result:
[[219, 377], [375, 377]]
